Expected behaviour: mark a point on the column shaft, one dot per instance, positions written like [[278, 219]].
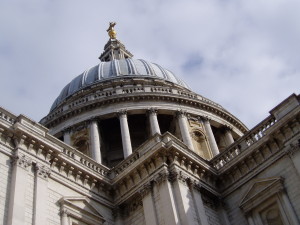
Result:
[[154, 126], [95, 142], [67, 137], [183, 125], [228, 137], [211, 138], [126, 142]]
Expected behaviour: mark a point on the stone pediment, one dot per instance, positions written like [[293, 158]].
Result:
[[259, 191], [79, 207]]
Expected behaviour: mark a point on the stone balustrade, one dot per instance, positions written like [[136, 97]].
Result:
[[7, 116], [243, 143], [127, 90]]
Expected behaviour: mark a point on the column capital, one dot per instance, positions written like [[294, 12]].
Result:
[[152, 110], [204, 118], [181, 113], [122, 113], [67, 130], [64, 212], [227, 128], [145, 189], [161, 177], [42, 171], [92, 119], [22, 161]]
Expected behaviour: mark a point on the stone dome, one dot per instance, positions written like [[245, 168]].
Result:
[[115, 108], [120, 68]]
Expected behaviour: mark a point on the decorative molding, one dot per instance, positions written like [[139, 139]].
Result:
[[79, 207], [42, 171], [145, 189], [22, 161], [259, 191], [294, 147]]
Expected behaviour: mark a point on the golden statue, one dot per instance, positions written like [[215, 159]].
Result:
[[111, 32]]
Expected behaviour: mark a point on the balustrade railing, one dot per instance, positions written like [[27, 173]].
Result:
[[7, 116], [128, 90], [86, 161], [250, 138]]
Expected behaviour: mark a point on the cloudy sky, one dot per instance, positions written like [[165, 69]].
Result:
[[243, 54]]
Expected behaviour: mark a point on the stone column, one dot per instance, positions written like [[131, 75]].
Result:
[[154, 126], [126, 141], [40, 194], [228, 136], [183, 125], [210, 137], [95, 141], [16, 210], [67, 136]]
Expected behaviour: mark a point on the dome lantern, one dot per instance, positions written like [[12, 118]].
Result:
[[114, 49]]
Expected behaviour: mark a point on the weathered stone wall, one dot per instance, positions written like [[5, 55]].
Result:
[[135, 217], [282, 168]]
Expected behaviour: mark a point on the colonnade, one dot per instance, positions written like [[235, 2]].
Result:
[[95, 143]]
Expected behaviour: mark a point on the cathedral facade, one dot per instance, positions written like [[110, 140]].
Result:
[[127, 142]]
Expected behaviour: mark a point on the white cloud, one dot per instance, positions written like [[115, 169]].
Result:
[[241, 54]]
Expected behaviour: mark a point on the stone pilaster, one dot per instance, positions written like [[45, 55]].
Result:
[[166, 199], [117, 214], [184, 130], [64, 217], [126, 141], [16, 210], [288, 208], [199, 205], [149, 205], [40, 194], [210, 137], [154, 126], [184, 201], [95, 141]]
